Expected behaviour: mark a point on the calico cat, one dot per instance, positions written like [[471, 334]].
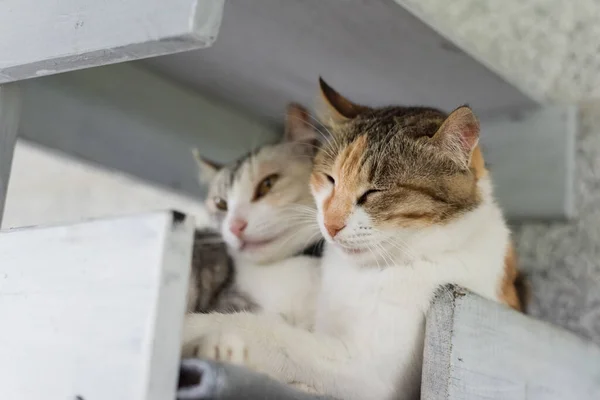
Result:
[[263, 210], [406, 206]]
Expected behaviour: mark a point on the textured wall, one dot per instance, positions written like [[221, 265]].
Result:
[[547, 48], [564, 259]]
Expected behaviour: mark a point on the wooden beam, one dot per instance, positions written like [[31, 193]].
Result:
[[476, 349], [10, 111], [127, 118], [48, 37], [95, 309], [531, 157]]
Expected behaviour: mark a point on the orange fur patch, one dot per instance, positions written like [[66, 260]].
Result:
[[338, 205], [477, 163], [317, 181], [508, 290], [509, 294]]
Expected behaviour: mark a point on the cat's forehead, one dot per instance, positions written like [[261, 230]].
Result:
[[250, 167], [393, 143], [396, 123]]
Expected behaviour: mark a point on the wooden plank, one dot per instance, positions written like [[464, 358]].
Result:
[[95, 309], [531, 156], [47, 187], [271, 51], [42, 38], [127, 118], [476, 349], [10, 112]]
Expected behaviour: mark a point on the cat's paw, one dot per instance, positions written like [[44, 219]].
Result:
[[218, 346]]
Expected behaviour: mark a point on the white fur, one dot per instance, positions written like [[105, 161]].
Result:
[[279, 281], [368, 336], [287, 288]]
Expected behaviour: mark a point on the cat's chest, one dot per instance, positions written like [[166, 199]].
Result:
[[356, 301], [279, 287]]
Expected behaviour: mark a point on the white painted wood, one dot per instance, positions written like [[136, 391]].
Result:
[[47, 187], [272, 51], [46, 37], [94, 309], [10, 112], [126, 118], [531, 156], [476, 350]]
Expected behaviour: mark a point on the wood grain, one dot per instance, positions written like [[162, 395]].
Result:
[[476, 349], [94, 309], [48, 37]]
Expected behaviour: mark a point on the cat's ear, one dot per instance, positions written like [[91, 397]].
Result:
[[298, 127], [459, 134], [333, 108], [207, 169], [300, 132]]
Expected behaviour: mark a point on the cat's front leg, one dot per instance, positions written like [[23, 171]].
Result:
[[268, 345], [233, 338], [218, 346]]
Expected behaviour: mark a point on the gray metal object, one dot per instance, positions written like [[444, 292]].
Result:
[[221, 381]]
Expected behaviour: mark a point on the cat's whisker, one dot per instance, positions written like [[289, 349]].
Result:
[[404, 249], [330, 133], [311, 238], [374, 256], [398, 243], [317, 130], [296, 232], [385, 254]]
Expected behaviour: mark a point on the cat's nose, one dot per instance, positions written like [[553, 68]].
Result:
[[334, 227], [237, 227]]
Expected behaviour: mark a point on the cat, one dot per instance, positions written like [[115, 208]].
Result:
[[262, 208], [406, 207]]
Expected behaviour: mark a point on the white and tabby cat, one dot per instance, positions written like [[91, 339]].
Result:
[[262, 206], [406, 206]]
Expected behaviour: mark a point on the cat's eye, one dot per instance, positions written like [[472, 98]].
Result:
[[363, 198], [330, 179], [265, 186], [220, 203]]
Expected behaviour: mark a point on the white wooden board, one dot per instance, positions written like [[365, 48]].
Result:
[[531, 156], [127, 118], [95, 309], [479, 350], [46, 37], [10, 112]]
